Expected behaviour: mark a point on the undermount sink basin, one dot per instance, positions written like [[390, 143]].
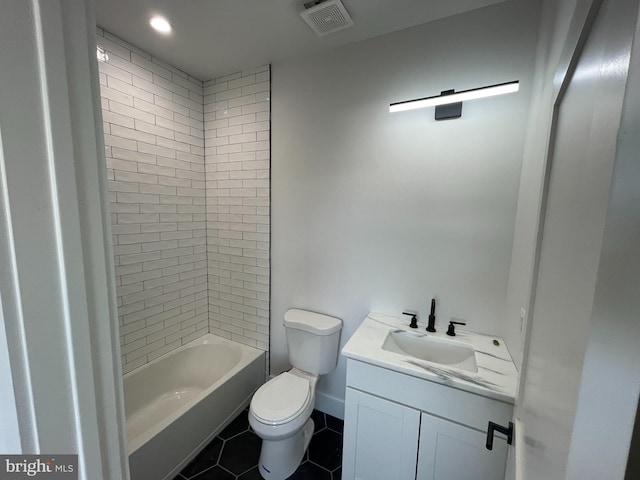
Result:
[[431, 349]]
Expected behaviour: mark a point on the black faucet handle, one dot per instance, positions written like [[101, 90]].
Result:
[[451, 331], [414, 319]]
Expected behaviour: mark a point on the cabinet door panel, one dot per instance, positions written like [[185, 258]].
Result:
[[380, 439], [450, 451]]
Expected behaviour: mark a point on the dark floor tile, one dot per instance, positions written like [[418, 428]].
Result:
[[318, 420], [252, 474], [205, 459], [236, 457], [335, 424], [309, 471], [238, 425], [215, 473], [326, 449], [241, 453]]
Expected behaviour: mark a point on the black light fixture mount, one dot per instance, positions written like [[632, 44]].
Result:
[[448, 110]]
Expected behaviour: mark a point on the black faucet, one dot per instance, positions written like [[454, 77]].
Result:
[[432, 317], [451, 331], [414, 319]]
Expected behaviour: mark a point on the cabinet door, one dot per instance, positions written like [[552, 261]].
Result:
[[450, 451], [380, 439]]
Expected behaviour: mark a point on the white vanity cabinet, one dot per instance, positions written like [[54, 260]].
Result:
[[447, 451], [381, 440], [399, 427]]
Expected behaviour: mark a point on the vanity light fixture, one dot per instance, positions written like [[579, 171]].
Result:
[[449, 103], [160, 24]]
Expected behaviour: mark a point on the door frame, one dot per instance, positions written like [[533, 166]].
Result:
[[59, 342], [579, 30]]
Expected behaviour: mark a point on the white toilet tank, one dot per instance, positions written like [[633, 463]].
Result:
[[313, 340]]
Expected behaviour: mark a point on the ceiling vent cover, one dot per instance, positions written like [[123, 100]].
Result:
[[327, 17]]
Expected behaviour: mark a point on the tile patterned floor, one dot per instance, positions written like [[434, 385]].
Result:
[[233, 455]]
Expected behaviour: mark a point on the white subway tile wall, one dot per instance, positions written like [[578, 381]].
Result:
[[154, 137], [237, 131]]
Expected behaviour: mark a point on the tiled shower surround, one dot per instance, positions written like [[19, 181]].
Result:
[[190, 228], [237, 138]]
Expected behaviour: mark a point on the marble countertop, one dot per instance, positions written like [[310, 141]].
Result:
[[496, 376]]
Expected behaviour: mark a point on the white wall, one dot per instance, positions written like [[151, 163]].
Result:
[[379, 211]]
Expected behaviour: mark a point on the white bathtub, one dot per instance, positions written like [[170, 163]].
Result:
[[176, 404]]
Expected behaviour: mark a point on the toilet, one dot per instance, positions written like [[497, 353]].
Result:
[[280, 411]]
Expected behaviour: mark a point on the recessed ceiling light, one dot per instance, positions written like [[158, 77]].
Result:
[[160, 24]]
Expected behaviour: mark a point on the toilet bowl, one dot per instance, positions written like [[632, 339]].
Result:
[[280, 411], [280, 414]]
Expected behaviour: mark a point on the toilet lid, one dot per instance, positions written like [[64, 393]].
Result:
[[280, 399]]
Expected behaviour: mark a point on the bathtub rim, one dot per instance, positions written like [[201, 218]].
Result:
[[248, 355]]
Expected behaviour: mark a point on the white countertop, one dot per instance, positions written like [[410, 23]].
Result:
[[496, 377]]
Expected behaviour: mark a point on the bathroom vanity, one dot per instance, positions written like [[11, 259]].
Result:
[[418, 405]]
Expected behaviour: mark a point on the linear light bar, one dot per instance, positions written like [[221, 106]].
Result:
[[447, 98]]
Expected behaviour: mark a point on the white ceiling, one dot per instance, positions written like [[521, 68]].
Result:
[[216, 37]]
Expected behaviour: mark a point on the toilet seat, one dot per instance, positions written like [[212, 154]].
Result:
[[281, 399]]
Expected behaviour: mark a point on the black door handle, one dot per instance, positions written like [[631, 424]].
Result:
[[504, 430]]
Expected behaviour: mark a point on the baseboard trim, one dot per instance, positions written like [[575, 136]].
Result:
[[329, 404]]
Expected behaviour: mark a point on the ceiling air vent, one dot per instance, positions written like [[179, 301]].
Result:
[[326, 17]]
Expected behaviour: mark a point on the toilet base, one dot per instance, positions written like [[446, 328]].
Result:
[[280, 458]]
